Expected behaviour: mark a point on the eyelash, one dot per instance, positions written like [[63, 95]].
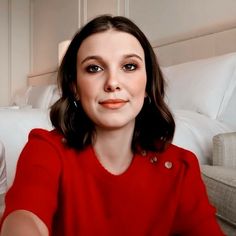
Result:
[[95, 68], [128, 66]]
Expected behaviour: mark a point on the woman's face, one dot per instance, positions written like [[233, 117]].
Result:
[[111, 78]]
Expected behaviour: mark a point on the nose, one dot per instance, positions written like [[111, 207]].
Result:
[[112, 83]]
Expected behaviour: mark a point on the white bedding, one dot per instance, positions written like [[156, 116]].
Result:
[[202, 95], [194, 132], [15, 124]]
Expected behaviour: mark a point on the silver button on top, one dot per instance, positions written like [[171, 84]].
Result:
[[168, 164], [153, 160], [143, 153]]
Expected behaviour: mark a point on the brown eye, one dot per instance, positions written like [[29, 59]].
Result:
[[130, 67], [93, 69]]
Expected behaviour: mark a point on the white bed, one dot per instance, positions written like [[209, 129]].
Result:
[[30, 109], [202, 96], [200, 75], [201, 91]]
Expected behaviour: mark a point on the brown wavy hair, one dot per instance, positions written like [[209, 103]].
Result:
[[154, 126]]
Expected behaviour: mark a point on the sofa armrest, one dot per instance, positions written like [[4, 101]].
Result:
[[224, 150]]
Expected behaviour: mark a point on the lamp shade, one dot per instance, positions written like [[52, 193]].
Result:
[[62, 47]]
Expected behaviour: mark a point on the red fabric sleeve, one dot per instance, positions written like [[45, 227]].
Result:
[[36, 182], [196, 215]]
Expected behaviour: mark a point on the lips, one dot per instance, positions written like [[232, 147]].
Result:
[[113, 103]]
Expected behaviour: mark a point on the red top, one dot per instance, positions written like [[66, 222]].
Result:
[[159, 194]]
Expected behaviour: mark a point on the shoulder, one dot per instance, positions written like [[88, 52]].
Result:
[[52, 143], [44, 143], [180, 157], [45, 134], [52, 137], [180, 153]]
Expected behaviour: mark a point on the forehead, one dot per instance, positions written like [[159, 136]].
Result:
[[110, 42]]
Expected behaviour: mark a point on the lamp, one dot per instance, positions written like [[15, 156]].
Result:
[[62, 47]]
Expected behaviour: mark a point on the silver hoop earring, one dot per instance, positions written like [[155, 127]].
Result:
[[75, 104], [148, 99]]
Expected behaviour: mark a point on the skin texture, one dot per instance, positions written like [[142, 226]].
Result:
[[111, 83], [23, 223], [111, 79]]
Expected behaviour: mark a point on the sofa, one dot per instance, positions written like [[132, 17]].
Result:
[[220, 180]]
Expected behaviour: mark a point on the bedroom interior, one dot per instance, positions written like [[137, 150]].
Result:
[[198, 62]]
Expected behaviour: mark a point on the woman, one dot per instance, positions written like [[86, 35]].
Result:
[[108, 167]]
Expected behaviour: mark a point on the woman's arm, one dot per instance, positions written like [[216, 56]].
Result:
[[32, 200], [23, 223]]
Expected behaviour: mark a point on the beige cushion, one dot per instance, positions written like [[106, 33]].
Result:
[[224, 150], [221, 188]]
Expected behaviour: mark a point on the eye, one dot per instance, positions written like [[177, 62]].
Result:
[[93, 69], [130, 67]]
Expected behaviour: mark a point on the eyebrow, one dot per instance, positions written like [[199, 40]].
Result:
[[101, 59]]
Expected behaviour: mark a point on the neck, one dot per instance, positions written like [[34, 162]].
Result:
[[113, 148]]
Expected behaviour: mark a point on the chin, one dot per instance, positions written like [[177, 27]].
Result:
[[112, 124]]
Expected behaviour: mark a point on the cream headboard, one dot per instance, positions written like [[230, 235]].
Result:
[[171, 53], [46, 78], [193, 48]]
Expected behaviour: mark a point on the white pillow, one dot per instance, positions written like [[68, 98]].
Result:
[[228, 115], [20, 98], [55, 96], [200, 85], [41, 96]]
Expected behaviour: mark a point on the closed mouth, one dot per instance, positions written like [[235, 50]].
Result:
[[113, 103]]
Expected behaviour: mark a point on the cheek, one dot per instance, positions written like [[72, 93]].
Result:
[[86, 88], [139, 86]]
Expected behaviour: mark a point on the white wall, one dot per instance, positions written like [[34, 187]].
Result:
[[20, 43], [58, 20], [167, 20], [53, 22], [14, 47], [4, 55], [113, 7], [29, 40], [163, 21]]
